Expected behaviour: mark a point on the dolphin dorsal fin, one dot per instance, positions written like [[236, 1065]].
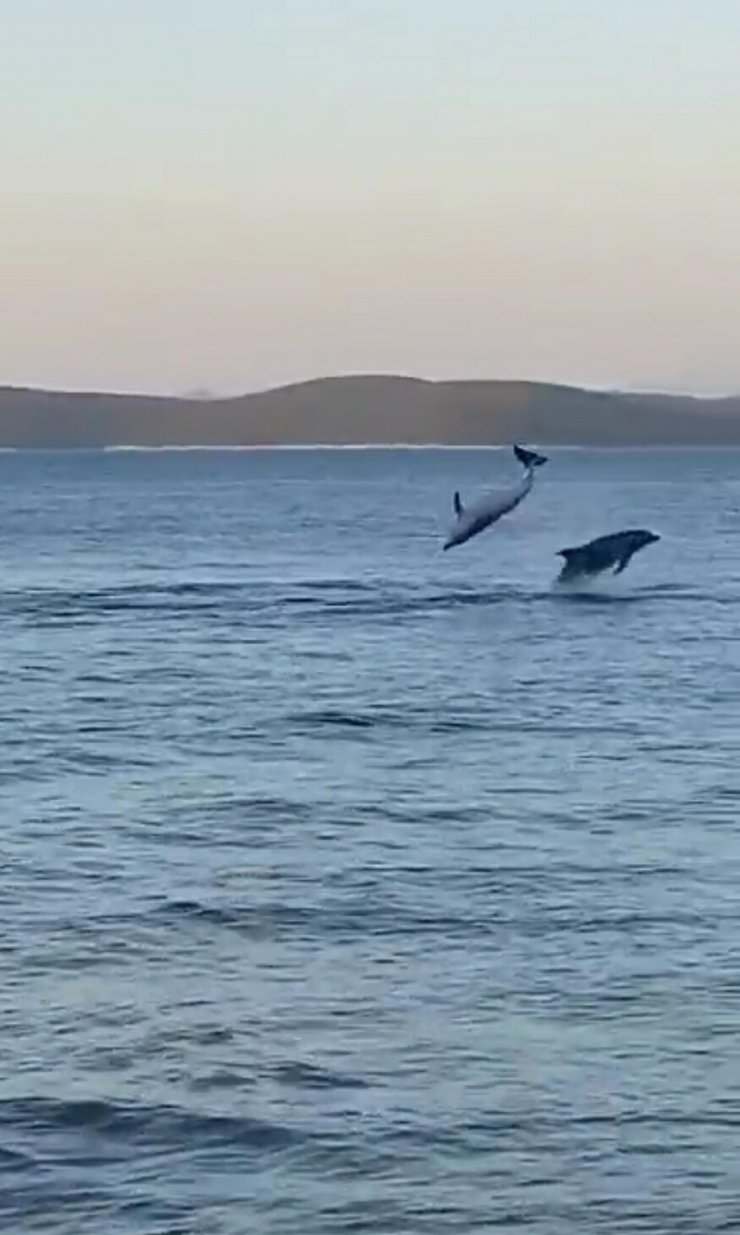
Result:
[[457, 504]]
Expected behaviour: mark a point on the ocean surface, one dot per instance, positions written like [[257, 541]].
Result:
[[352, 886]]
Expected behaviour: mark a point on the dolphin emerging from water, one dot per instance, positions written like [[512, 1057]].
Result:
[[487, 510], [604, 553]]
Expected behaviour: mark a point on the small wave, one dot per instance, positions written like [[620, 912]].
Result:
[[321, 719], [310, 599], [334, 585], [341, 916], [598, 599], [150, 1127], [429, 721], [328, 719], [16, 1160], [299, 1075], [386, 604], [257, 922], [223, 1078], [182, 596]]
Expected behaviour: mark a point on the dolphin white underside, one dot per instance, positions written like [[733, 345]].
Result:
[[487, 510]]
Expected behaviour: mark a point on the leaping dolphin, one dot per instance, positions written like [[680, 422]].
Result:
[[487, 510], [604, 553]]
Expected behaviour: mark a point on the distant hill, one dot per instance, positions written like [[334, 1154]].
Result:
[[373, 410]]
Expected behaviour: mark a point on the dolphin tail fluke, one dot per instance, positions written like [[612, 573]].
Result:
[[529, 458], [457, 505]]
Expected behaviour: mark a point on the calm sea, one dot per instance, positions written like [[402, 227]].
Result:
[[350, 886]]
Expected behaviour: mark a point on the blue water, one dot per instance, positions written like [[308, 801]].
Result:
[[349, 886]]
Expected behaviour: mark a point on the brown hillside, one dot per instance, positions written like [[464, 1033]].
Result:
[[358, 410]]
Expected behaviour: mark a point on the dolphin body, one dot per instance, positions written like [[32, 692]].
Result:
[[585, 561], [487, 510]]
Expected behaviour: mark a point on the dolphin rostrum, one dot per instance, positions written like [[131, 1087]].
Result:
[[473, 519], [604, 553]]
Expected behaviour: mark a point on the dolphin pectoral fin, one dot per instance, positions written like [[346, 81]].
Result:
[[457, 505], [622, 564]]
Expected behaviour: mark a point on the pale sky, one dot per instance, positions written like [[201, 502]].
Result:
[[231, 194]]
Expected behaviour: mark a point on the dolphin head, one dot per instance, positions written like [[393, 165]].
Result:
[[642, 537]]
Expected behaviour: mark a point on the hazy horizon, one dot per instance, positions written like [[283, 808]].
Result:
[[232, 196]]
